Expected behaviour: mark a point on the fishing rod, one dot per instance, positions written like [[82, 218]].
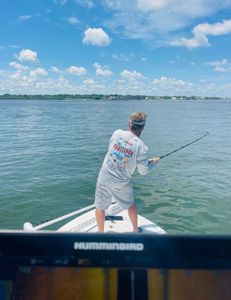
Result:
[[178, 149]]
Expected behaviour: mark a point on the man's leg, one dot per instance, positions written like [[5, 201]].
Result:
[[132, 212], [100, 218], [102, 200]]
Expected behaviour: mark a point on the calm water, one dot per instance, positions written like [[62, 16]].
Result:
[[51, 152]]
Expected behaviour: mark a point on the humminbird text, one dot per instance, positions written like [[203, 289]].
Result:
[[109, 246]]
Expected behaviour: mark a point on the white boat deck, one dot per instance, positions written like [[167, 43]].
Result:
[[116, 221]]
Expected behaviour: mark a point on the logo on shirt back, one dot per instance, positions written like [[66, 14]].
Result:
[[120, 154], [122, 149]]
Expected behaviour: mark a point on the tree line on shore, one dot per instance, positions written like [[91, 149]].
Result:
[[102, 97]]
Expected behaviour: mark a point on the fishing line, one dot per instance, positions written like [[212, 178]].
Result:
[[184, 146]]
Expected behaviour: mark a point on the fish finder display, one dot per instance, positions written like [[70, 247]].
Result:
[[42, 283], [108, 267]]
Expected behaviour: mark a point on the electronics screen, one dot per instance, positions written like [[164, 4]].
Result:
[[114, 266]]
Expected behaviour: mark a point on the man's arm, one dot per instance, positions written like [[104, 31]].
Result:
[[144, 164]]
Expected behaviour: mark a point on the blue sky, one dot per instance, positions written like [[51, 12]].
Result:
[[148, 47]]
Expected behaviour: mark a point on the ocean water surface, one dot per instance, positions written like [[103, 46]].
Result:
[[51, 152]]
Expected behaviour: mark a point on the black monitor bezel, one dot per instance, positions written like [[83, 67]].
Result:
[[159, 251]]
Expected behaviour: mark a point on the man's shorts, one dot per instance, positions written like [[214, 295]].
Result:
[[104, 195]]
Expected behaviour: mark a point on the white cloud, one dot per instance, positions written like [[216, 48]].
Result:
[[218, 28], [123, 56], [91, 86], [201, 31], [25, 18], [169, 83], [157, 20], [22, 82], [61, 2], [197, 41], [150, 5], [18, 66], [85, 3], [63, 82], [54, 69], [17, 76], [102, 71], [96, 37], [54, 86], [38, 72], [72, 20], [89, 81], [34, 83], [220, 65], [73, 70], [27, 80], [3, 47], [132, 75], [27, 55]]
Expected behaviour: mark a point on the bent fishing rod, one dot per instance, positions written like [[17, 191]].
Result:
[[184, 146]]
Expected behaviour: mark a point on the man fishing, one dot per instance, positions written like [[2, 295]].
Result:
[[126, 153]]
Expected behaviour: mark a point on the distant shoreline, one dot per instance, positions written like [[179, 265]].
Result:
[[104, 97]]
